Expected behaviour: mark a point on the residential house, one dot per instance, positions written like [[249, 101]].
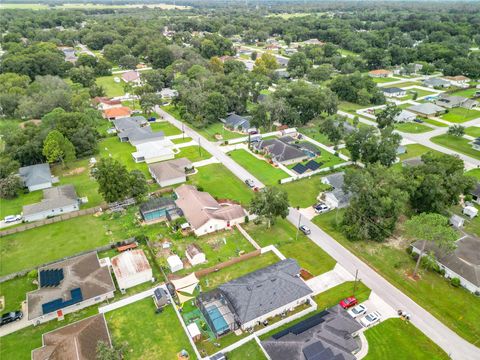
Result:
[[204, 213], [136, 130], [458, 81], [313, 42], [104, 103], [115, 113], [336, 198], [152, 151], [131, 76], [476, 193], [76, 341], [380, 73], [427, 110], [131, 268], [36, 177], [280, 151], [69, 53], [328, 335], [67, 286], [238, 123], [159, 209], [450, 102], [170, 172], [435, 82], [259, 295], [476, 144], [56, 201], [195, 255], [167, 93], [282, 61], [405, 116], [393, 92], [463, 263]]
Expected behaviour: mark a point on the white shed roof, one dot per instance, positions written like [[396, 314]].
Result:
[[174, 261], [130, 263]]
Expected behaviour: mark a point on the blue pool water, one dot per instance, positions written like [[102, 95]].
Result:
[[218, 321]]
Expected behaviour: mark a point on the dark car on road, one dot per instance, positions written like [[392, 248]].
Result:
[[11, 317]]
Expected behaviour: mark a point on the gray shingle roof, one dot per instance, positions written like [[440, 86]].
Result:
[[265, 290], [336, 180], [279, 150], [236, 121], [53, 198], [435, 82], [426, 108], [35, 174], [392, 90]]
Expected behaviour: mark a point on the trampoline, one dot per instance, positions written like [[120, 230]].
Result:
[[218, 320]]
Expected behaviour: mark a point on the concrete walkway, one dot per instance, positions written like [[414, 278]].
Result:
[[212, 160], [128, 300], [329, 279], [248, 237], [186, 144]]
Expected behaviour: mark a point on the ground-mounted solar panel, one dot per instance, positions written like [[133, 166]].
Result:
[[299, 169], [312, 165]]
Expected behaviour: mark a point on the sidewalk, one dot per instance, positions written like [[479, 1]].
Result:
[[128, 300], [329, 279]]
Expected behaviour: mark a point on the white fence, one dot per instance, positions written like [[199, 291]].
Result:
[[273, 133], [312, 173]]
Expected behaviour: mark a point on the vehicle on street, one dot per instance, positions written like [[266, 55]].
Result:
[[305, 229], [321, 208], [348, 302], [357, 311], [371, 319], [417, 120], [11, 317], [12, 218], [250, 183]]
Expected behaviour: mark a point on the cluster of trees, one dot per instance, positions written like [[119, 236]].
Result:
[[357, 88]]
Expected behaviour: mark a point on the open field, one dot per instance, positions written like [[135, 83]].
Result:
[[434, 122], [312, 131], [392, 339], [282, 234], [149, 335], [303, 193], [413, 128], [111, 87], [262, 170], [415, 150], [167, 128], [473, 131], [460, 115], [217, 128], [14, 292], [194, 153], [385, 80], [393, 263], [405, 84], [221, 183], [465, 92], [456, 143]]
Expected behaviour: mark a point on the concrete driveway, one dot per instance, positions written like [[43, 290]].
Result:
[[329, 279], [17, 325]]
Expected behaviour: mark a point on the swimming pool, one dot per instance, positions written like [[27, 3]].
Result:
[[218, 321]]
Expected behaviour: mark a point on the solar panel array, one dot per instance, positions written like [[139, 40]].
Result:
[[54, 305], [299, 168], [313, 165], [302, 326], [51, 277]]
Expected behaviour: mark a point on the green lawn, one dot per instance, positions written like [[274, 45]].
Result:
[[474, 172], [248, 351], [182, 140], [414, 150], [405, 84], [465, 92], [312, 131], [473, 131], [14, 206], [393, 263], [350, 107], [121, 151], [194, 153], [303, 193], [384, 80], [310, 256], [221, 183], [399, 340], [327, 159], [217, 128], [237, 270], [261, 169], [149, 335], [111, 87], [434, 122], [172, 110], [413, 128], [456, 143], [167, 128], [460, 115], [14, 292]]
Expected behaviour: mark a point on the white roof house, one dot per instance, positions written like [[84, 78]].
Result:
[[470, 211], [131, 268], [405, 116], [150, 152], [175, 263]]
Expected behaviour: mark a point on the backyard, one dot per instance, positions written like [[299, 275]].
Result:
[[392, 339], [111, 87], [456, 143], [326, 160], [248, 351], [282, 234], [460, 115], [415, 150], [148, 335], [261, 169], [303, 193], [122, 151], [393, 262]]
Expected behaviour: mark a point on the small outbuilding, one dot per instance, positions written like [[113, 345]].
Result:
[[470, 211], [457, 221], [131, 268], [160, 298], [194, 332], [195, 255], [174, 263]]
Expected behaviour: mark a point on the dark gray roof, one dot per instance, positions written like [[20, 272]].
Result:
[[435, 82], [261, 97], [280, 150], [476, 190], [236, 121], [140, 134], [392, 90], [265, 290], [330, 339], [35, 174], [426, 108], [53, 198], [464, 261], [336, 180], [129, 122]]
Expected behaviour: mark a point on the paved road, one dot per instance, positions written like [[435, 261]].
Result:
[[454, 345]]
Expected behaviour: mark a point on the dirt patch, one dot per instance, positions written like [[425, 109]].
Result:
[[34, 122], [75, 171]]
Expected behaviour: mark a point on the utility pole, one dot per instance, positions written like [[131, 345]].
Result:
[[298, 225], [183, 130], [355, 282], [199, 147]]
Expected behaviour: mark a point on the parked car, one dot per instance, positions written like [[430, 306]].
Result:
[[152, 119], [305, 229], [417, 120], [321, 208], [250, 183], [348, 302], [357, 311], [12, 218], [11, 317], [371, 319]]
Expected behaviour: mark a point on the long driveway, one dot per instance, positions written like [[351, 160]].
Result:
[[448, 340]]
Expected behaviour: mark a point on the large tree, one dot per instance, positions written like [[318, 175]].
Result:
[[431, 228], [270, 203], [57, 148], [298, 65], [112, 178], [386, 117]]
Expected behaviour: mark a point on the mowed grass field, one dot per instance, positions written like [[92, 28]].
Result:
[[460, 115], [415, 150], [262, 170], [111, 87], [473, 131], [167, 128], [303, 193], [399, 340], [413, 128], [249, 351], [456, 143]]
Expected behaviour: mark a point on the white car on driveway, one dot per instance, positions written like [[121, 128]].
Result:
[[371, 319], [12, 218], [357, 311]]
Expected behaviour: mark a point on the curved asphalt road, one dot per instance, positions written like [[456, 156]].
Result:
[[448, 340]]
